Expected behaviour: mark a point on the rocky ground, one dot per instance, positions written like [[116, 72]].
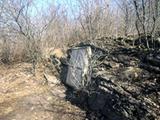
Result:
[[27, 97], [125, 85], [125, 82]]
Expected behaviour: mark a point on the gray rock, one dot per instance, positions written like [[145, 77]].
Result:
[[50, 79], [79, 69]]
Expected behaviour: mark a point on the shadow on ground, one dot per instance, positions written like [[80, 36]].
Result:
[[107, 99]]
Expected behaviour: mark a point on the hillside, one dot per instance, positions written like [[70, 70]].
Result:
[[79, 59]]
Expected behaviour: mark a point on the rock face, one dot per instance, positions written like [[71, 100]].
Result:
[[151, 62], [79, 70], [119, 88]]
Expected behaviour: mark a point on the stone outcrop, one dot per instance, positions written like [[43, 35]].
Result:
[[120, 87]]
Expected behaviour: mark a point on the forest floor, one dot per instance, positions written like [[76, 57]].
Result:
[[27, 97], [125, 86]]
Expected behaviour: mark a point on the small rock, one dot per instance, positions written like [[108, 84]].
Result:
[[51, 79], [130, 73]]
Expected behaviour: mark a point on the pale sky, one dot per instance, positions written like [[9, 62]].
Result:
[[42, 5]]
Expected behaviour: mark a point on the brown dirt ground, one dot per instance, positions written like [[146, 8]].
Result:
[[27, 97]]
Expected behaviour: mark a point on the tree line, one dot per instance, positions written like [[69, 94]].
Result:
[[25, 36]]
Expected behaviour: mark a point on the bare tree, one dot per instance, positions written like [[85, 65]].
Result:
[[147, 17], [23, 35], [18, 27]]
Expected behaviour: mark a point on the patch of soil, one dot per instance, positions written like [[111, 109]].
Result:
[[27, 97]]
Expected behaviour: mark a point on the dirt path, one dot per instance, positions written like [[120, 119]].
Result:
[[25, 97]]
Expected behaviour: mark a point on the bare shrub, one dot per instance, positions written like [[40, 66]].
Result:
[[24, 37], [5, 53]]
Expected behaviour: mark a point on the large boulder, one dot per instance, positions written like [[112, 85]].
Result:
[[79, 69]]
